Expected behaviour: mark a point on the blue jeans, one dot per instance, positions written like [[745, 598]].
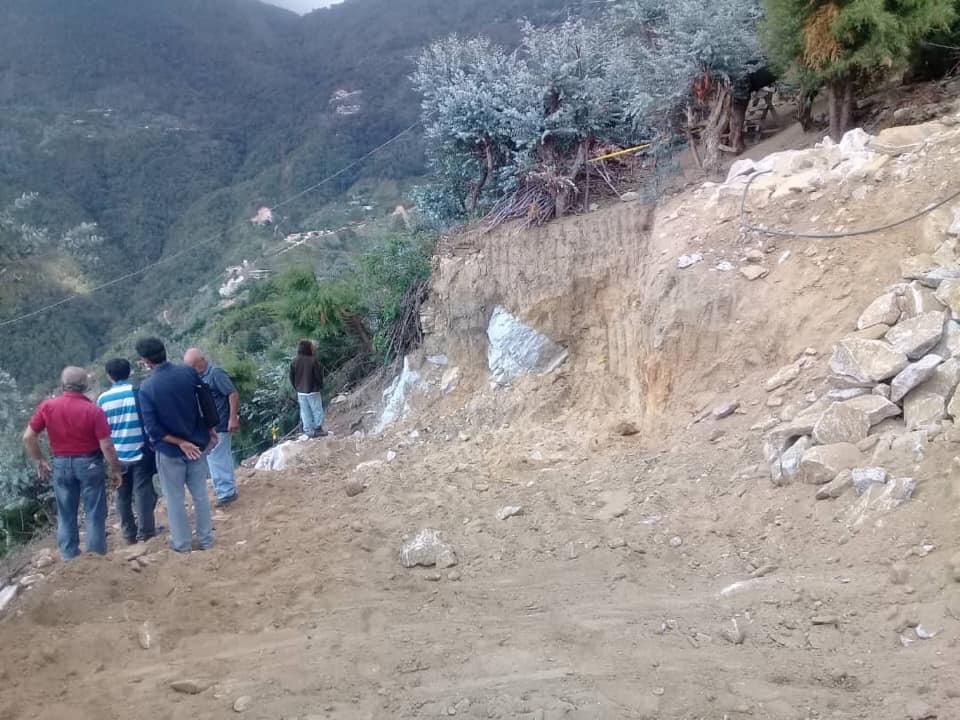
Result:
[[220, 464], [311, 411], [136, 492], [75, 478], [177, 475]]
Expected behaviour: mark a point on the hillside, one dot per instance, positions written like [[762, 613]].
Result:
[[625, 545], [143, 128]]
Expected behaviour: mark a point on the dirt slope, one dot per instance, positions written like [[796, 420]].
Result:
[[659, 575]]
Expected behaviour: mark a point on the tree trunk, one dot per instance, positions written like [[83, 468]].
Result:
[[711, 133], [487, 163], [840, 98], [738, 116], [566, 194]]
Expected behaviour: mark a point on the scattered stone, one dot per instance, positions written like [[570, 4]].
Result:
[[917, 336], [864, 478], [867, 361], [146, 635], [916, 266], [616, 543], [630, 196], [755, 256], [917, 300], [427, 549], [875, 332], [753, 272], [764, 570], [841, 423], [353, 487], [823, 463], [676, 541], [825, 620], [884, 310], [899, 574], [626, 429], [945, 379], [450, 380], [570, 551], [913, 375], [726, 409], [455, 576], [784, 376], [43, 558], [242, 704], [841, 394], [949, 295], [836, 487], [31, 580], [735, 634], [919, 710], [190, 687], [685, 261], [509, 511], [923, 408], [875, 407]]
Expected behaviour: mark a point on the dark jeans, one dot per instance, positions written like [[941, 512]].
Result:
[[75, 478], [136, 492]]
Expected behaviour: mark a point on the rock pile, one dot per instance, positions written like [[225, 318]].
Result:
[[892, 386]]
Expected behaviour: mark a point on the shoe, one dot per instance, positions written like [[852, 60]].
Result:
[[223, 502], [319, 433]]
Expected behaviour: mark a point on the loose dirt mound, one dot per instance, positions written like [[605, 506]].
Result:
[[654, 575]]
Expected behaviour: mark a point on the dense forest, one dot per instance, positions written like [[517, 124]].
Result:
[[132, 129]]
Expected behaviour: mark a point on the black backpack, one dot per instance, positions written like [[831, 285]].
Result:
[[207, 406]]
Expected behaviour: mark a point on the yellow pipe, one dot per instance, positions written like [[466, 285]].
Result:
[[620, 152]]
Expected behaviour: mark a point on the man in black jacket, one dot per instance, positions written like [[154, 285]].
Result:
[[306, 376]]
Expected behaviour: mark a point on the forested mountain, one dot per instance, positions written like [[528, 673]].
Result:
[[132, 129]]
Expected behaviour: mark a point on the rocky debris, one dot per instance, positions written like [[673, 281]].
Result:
[[726, 409], [913, 375], [676, 541], [754, 272], [686, 261], [783, 376], [842, 394], [881, 499], [516, 349], [917, 336], [281, 456], [948, 294], [791, 458], [43, 558], [354, 486], [921, 409], [626, 429], [31, 579], [509, 511], [884, 310], [836, 487], [899, 574], [876, 407], [146, 635], [883, 390], [753, 255], [7, 594], [242, 704], [944, 380], [190, 686], [396, 397], [841, 423], [735, 634], [863, 479], [918, 300], [823, 463], [428, 549], [916, 266], [949, 345], [866, 362], [450, 380]]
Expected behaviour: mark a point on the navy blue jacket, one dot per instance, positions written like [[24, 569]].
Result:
[[168, 403]]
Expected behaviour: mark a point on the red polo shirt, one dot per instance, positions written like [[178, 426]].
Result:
[[74, 424]]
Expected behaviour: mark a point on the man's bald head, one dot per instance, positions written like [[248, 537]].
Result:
[[74, 379], [195, 358]]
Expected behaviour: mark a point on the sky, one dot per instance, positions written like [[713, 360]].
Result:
[[302, 6]]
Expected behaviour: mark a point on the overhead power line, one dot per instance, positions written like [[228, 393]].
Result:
[[206, 241]]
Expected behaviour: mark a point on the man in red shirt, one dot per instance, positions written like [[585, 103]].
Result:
[[79, 437]]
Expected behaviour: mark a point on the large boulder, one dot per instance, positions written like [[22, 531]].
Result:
[[905, 139], [921, 409], [916, 266], [949, 294], [936, 277], [949, 345], [783, 376], [876, 407], [913, 375], [885, 310], [899, 452], [953, 407], [917, 300], [792, 457], [867, 361], [944, 380], [517, 349], [823, 463], [841, 423], [917, 336]]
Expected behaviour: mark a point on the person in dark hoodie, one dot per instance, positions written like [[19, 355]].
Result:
[[306, 376]]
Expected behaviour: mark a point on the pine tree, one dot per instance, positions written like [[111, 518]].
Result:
[[843, 44]]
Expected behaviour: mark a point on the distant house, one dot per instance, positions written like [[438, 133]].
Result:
[[263, 217]]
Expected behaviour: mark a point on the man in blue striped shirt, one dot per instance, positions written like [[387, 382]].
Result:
[[136, 457]]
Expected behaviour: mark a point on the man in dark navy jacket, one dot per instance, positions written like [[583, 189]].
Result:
[[172, 419]]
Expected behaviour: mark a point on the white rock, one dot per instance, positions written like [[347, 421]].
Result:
[[944, 380], [450, 380], [242, 704], [516, 349], [509, 511], [783, 376], [866, 361], [863, 478], [792, 457], [913, 375], [396, 398], [428, 549], [855, 142], [949, 295], [281, 457], [923, 408], [7, 595], [884, 310], [917, 336], [823, 463], [918, 300], [875, 407], [836, 487], [841, 423], [754, 272], [949, 345], [686, 261]]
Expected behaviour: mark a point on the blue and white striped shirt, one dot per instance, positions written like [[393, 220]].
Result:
[[125, 429]]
